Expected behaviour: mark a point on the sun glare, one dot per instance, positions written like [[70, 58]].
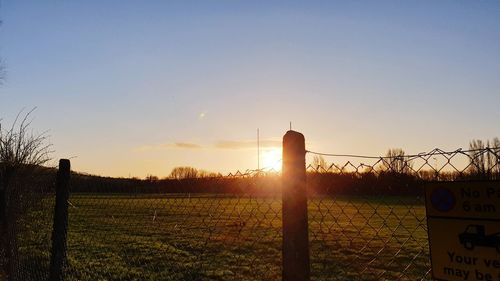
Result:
[[271, 159]]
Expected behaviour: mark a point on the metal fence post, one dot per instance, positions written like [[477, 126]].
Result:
[[60, 227], [295, 226]]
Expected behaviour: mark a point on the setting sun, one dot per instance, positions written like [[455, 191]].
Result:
[[271, 159], [148, 139]]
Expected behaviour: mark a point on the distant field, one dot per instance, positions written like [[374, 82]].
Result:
[[209, 237]]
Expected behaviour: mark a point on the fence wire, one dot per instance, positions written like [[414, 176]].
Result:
[[366, 221], [367, 214], [224, 228], [27, 224]]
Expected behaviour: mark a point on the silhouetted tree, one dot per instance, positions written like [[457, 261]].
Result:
[[208, 174], [319, 164], [494, 155], [186, 172], [397, 162], [151, 178], [183, 173], [484, 159]]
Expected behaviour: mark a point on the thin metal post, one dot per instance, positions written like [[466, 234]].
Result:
[[258, 150]]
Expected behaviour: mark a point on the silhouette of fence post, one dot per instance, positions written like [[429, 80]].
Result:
[[8, 235], [60, 227], [295, 225]]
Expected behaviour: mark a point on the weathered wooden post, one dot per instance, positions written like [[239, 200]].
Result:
[[60, 227], [295, 225]]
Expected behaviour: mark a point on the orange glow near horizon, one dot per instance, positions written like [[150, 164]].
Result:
[[272, 159]]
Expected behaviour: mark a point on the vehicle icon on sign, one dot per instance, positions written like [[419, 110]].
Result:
[[475, 235]]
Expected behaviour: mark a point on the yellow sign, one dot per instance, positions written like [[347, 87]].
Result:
[[463, 224], [464, 200]]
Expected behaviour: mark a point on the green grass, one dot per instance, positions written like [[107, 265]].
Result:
[[172, 237]]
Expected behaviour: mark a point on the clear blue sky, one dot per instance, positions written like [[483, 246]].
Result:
[[138, 87]]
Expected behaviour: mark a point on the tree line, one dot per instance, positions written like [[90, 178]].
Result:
[[395, 175]]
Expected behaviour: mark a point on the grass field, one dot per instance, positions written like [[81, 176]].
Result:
[[208, 237]]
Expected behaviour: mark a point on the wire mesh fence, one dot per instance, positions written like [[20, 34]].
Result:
[[368, 237], [26, 223], [366, 221], [367, 214], [224, 228]]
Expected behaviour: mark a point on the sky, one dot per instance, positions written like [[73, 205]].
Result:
[[131, 88]]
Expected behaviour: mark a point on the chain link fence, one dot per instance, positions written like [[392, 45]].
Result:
[[225, 228], [27, 214], [366, 221], [367, 216], [218, 228]]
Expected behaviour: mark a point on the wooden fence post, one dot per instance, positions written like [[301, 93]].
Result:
[[60, 227], [295, 226]]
